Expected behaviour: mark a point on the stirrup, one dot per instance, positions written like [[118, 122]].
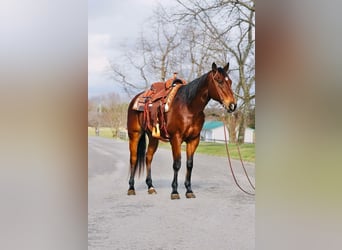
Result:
[[156, 131]]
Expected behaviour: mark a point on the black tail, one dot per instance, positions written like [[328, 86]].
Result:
[[141, 154]]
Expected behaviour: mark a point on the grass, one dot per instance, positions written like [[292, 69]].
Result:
[[210, 148], [104, 132], [219, 149]]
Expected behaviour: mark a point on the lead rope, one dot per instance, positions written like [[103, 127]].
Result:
[[243, 166], [230, 164]]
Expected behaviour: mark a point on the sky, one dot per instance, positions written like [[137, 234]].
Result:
[[110, 25]]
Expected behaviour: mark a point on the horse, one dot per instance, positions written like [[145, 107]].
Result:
[[184, 122]]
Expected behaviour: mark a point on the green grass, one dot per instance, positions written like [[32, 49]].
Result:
[[219, 149], [210, 148], [104, 132]]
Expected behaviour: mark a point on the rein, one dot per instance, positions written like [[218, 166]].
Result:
[[216, 87], [230, 164]]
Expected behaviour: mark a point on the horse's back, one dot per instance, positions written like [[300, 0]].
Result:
[[130, 106], [133, 123]]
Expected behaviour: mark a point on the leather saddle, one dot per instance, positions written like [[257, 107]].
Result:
[[155, 102]]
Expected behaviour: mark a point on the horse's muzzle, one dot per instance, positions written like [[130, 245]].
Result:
[[231, 107]]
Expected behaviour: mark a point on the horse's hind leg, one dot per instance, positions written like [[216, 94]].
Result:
[[133, 148], [151, 149]]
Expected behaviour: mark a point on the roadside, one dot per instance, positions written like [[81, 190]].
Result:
[[247, 150]]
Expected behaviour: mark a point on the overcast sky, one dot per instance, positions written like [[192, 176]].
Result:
[[111, 24]]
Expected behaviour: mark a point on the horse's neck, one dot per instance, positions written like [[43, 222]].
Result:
[[200, 101]]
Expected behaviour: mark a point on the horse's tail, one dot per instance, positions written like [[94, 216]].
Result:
[[141, 154]]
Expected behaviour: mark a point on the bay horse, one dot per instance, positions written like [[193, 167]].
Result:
[[184, 122]]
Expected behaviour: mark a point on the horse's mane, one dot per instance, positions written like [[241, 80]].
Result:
[[190, 90]]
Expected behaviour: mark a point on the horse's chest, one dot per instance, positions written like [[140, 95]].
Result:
[[192, 131], [187, 124], [192, 126]]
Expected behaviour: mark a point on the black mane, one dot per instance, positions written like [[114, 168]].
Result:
[[189, 91]]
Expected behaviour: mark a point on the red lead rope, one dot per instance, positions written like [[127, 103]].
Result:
[[230, 164]]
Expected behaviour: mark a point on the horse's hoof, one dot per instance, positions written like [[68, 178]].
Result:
[[175, 196], [190, 195], [131, 192], [151, 191]]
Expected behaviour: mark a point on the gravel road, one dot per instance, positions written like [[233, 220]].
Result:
[[220, 217]]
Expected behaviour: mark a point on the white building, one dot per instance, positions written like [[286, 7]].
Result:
[[214, 131]]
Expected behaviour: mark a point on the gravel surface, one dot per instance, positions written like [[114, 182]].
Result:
[[220, 217]]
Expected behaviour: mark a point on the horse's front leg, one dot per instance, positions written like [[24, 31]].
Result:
[[176, 152], [190, 150]]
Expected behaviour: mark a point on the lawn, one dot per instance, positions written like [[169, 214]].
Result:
[[219, 149], [104, 132], [210, 148], [247, 150]]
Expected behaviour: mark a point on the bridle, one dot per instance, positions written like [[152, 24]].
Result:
[[216, 84]]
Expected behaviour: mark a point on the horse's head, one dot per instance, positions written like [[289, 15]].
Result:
[[220, 87]]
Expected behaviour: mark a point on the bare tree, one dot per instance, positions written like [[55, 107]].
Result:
[[109, 111], [114, 112], [154, 56], [94, 113], [231, 27], [191, 36], [115, 117]]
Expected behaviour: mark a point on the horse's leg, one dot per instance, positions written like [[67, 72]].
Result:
[[176, 152], [190, 150], [151, 149], [133, 148]]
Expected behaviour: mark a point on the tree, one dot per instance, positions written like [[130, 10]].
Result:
[[114, 112], [191, 36], [94, 114], [231, 26], [154, 56], [107, 110]]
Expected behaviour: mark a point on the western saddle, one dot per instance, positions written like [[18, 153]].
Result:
[[155, 102]]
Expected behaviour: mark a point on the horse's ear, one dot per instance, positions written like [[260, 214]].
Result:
[[226, 67], [214, 67]]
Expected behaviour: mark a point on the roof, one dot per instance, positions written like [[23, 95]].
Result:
[[209, 125]]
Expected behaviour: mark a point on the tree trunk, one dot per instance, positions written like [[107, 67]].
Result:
[[232, 122], [242, 129]]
